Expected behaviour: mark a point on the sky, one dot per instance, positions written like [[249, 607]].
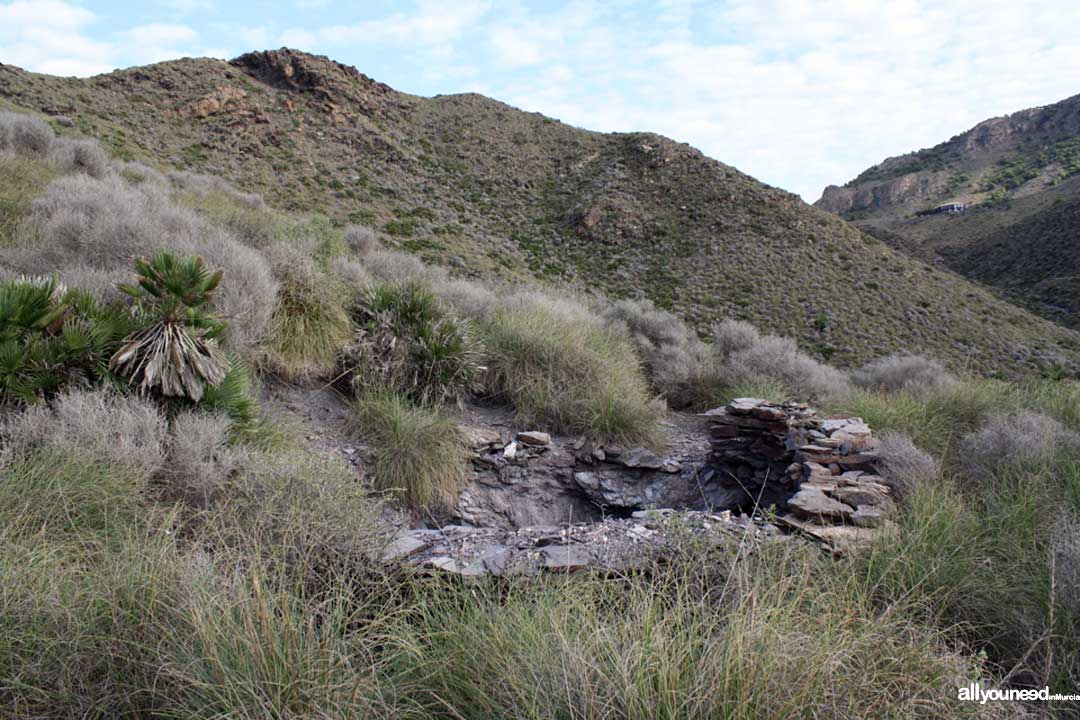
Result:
[[798, 93]]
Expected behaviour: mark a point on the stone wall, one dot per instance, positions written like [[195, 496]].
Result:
[[817, 472]]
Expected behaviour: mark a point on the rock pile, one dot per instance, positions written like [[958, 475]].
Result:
[[529, 478], [816, 471], [611, 545]]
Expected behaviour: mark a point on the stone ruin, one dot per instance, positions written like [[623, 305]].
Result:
[[537, 502], [816, 472]]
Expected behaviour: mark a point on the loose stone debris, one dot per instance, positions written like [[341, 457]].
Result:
[[609, 546], [541, 503]]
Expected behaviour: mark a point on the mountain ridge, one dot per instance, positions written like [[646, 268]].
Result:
[[486, 189], [1018, 178]]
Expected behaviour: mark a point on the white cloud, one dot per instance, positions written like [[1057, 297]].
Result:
[[157, 42], [188, 6], [46, 36], [431, 26], [799, 93]]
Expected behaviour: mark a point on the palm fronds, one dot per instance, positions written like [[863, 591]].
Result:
[[175, 352]]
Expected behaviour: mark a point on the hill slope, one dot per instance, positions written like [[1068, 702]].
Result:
[[1020, 179], [487, 189]]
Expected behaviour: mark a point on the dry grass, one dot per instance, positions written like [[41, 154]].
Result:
[[85, 229], [562, 368], [417, 453], [309, 325], [914, 374], [747, 357]]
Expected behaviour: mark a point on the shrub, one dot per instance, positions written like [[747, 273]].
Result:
[[466, 298], [201, 460], [747, 357], [1009, 440], [309, 325], [82, 225], [99, 425], [84, 156], [352, 273], [31, 137], [417, 452], [212, 185], [561, 367], [407, 342], [392, 266], [935, 421], [136, 172], [916, 374], [682, 368], [50, 337], [361, 240], [174, 352], [24, 134], [903, 466]]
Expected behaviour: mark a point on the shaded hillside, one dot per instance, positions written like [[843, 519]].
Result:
[[487, 189], [1019, 177]]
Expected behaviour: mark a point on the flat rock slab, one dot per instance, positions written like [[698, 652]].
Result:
[[534, 438], [610, 545], [812, 502]]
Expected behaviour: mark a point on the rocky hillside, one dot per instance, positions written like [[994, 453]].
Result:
[[1019, 179], [489, 190]]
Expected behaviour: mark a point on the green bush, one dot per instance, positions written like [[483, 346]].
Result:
[[309, 325], [569, 372], [408, 343], [50, 337], [21, 180], [417, 452]]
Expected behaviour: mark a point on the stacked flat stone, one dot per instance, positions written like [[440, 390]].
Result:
[[819, 470], [752, 447]]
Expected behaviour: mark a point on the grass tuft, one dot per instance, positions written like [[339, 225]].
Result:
[[565, 370], [417, 453]]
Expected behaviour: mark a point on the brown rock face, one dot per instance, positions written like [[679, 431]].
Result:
[[332, 82]]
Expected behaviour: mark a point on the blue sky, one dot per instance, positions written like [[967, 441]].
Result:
[[799, 93]]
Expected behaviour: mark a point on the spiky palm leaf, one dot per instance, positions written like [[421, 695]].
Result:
[[169, 357], [50, 336], [174, 353]]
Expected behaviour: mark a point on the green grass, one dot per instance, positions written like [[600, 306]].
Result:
[[269, 603], [21, 180], [51, 494], [418, 453], [309, 326], [569, 374], [783, 634]]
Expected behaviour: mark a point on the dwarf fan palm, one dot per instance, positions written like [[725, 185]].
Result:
[[49, 336], [175, 352]]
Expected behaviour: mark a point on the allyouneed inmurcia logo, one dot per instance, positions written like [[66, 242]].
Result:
[[976, 693]]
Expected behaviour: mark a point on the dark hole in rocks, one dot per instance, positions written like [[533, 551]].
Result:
[[749, 456], [541, 503]]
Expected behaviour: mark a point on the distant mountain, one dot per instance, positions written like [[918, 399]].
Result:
[[487, 189], [1019, 180]]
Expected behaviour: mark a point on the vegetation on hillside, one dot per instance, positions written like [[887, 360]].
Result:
[[469, 183], [164, 559], [1019, 177]]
